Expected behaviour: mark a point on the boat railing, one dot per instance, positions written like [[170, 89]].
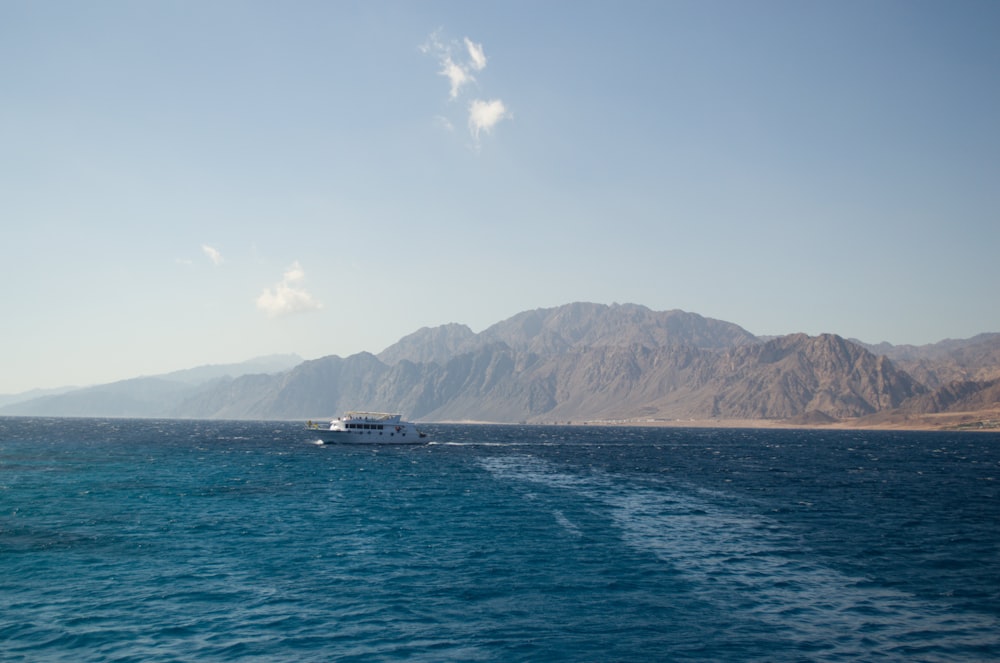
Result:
[[371, 416]]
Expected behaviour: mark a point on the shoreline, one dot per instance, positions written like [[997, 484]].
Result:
[[979, 421], [953, 421]]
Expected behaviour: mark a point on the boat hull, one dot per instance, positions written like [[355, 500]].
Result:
[[368, 437]]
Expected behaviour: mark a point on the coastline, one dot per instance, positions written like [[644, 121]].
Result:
[[986, 421], [977, 421]]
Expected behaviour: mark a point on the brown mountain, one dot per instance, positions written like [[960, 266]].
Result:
[[797, 374], [938, 364], [961, 377], [584, 362], [582, 325], [431, 345], [786, 377], [968, 396], [595, 362]]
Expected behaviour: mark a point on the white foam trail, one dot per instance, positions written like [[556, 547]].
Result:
[[566, 523], [759, 569]]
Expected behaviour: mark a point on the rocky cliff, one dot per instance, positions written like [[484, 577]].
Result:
[[582, 362]]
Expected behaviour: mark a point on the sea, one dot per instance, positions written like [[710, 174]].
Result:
[[166, 540]]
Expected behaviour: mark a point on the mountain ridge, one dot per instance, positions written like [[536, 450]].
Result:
[[143, 396], [584, 361]]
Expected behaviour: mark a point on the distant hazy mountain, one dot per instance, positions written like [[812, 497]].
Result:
[[578, 362], [10, 399], [155, 396], [266, 364]]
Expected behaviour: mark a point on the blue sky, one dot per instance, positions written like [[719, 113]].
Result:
[[186, 183]]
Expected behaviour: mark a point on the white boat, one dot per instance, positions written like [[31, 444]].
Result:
[[368, 428]]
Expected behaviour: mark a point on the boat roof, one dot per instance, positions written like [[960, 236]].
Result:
[[371, 415]]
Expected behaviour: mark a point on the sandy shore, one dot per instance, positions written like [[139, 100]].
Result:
[[965, 421], [986, 420]]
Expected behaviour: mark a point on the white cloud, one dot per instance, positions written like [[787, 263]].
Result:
[[213, 254], [456, 73], [458, 76], [287, 296], [484, 115], [476, 54]]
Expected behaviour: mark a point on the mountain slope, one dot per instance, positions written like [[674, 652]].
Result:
[[961, 396], [790, 376], [430, 345], [572, 326], [555, 330], [797, 374], [138, 397], [786, 377], [937, 364], [570, 363], [154, 396]]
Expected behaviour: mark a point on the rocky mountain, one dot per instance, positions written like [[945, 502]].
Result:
[[798, 374], [785, 377], [581, 325], [968, 396], [430, 345], [937, 364], [961, 376], [583, 362]]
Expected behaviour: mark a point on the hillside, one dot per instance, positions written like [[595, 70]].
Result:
[[154, 396], [937, 364], [584, 362]]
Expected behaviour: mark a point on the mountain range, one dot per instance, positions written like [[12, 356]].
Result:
[[585, 362], [148, 396]]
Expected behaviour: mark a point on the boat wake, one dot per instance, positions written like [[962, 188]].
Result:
[[763, 571]]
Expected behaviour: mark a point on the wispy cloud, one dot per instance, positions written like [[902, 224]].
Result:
[[456, 74], [476, 56], [483, 114], [213, 254], [287, 296], [444, 123]]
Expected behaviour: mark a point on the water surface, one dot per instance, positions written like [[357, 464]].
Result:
[[141, 540]]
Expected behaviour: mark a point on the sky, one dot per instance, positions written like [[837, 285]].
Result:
[[188, 183]]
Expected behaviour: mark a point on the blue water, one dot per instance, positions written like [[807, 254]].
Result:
[[134, 540]]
